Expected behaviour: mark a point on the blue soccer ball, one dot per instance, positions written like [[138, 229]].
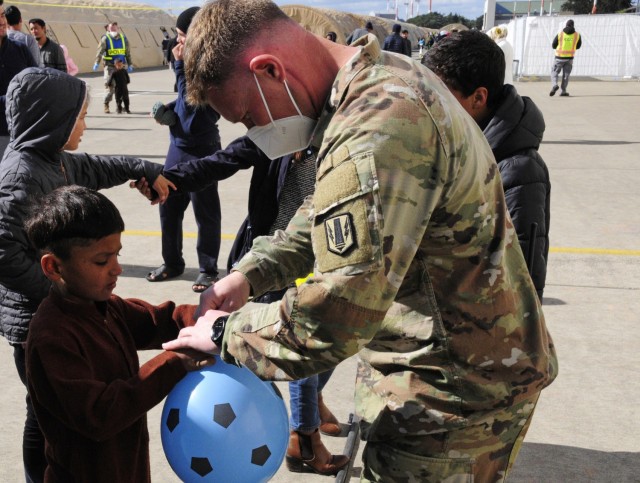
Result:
[[224, 424]]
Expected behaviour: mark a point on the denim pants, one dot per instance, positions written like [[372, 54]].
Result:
[[32, 438], [303, 401]]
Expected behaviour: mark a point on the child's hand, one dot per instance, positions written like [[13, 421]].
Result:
[[161, 185], [194, 360], [142, 185]]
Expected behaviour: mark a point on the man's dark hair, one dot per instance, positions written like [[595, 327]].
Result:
[[467, 60], [38, 21], [68, 217], [368, 26], [13, 15], [396, 28]]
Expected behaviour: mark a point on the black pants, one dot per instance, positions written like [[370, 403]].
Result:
[[32, 438], [122, 97]]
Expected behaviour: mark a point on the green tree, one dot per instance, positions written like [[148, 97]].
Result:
[[604, 6], [436, 20]]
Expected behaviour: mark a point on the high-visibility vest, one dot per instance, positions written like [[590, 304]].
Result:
[[567, 44], [116, 47]]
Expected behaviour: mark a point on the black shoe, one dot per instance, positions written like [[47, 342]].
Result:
[[553, 91], [564, 94]]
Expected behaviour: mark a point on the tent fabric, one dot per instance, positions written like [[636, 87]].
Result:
[[321, 20], [610, 45], [80, 27]]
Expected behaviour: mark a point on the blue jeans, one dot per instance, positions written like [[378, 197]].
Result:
[[303, 401]]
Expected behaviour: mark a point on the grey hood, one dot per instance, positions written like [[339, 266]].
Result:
[[42, 108]]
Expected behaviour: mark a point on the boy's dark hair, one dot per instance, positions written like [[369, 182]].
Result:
[[13, 15], [38, 21], [71, 216], [467, 60]]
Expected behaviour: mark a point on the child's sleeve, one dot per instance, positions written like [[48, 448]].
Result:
[[63, 378], [101, 172], [151, 325]]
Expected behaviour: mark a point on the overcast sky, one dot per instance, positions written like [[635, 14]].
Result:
[[470, 9]]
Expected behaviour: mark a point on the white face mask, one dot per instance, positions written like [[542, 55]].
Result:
[[282, 136], [113, 34]]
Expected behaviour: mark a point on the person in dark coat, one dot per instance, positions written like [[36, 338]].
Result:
[[193, 134], [395, 43], [472, 66], [45, 113]]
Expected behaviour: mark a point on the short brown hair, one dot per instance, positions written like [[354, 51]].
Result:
[[218, 34]]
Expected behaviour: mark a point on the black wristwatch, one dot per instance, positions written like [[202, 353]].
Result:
[[217, 330]]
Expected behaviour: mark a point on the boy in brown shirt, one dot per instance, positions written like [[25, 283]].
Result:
[[89, 393]]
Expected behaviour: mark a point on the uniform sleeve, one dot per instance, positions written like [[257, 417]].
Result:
[[374, 197], [127, 53], [63, 377], [101, 172], [102, 48]]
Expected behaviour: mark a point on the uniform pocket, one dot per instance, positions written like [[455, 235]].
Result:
[[347, 220]]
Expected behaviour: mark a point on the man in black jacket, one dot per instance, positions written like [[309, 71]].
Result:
[[394, 42], [472, 66]]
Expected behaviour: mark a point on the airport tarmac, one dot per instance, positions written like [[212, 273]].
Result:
[[586, 427]]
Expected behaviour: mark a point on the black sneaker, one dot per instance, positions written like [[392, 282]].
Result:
[[564, 94], [554, 89]]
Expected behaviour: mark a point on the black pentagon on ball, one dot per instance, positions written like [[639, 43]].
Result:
[[223, 414], [173, 419], [201, 466], [260, 455]]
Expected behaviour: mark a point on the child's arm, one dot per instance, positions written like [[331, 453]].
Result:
[[101, 172], [90, 380]]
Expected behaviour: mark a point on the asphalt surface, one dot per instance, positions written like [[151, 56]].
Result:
[[586, 427]]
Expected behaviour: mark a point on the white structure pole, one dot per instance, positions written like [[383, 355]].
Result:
[[489, 14]]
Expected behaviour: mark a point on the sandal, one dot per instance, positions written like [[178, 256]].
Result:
[[203, 282], [163, 273]]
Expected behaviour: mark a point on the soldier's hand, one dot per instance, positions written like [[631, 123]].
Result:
[[95, 67], [228, 294], [198, 336]]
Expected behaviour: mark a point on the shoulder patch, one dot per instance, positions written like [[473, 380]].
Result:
[[340, 233]]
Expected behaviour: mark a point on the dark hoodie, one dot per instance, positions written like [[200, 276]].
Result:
[[42, 108], [514, 134], [569, 29]]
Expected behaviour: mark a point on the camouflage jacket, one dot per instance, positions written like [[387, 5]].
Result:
[[416, 265]]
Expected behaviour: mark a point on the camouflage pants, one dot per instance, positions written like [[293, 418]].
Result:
[[484, 452], [108, 90]]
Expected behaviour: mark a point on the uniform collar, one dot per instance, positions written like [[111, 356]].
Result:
[[369, 53]]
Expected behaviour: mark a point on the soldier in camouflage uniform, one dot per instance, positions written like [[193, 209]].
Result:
[[416, 265]]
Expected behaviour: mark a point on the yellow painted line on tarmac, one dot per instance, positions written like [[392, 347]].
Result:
[[580, 251], [596, 251]]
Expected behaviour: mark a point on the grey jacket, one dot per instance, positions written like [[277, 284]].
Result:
[[42, 108], [28, 40]]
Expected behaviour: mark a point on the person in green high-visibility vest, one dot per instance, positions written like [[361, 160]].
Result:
[[565, 44], [113, 45]]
